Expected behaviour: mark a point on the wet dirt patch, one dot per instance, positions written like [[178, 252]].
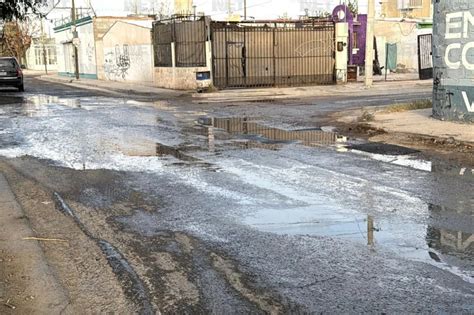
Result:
[[78, 264], [132, 284], [264, 302], [382, 148]]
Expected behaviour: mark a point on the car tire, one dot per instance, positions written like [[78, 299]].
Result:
[[21, 88]]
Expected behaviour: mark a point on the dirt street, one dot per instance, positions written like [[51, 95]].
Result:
[[187, 205]]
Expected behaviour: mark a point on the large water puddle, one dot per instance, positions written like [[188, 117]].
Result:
[[433, 243], [252, 133]]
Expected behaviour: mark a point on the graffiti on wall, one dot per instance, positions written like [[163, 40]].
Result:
[[124, 62], [90, 52], [117, 63]]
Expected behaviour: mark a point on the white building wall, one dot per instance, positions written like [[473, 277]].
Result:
[[128, 63], [127, 53], [62, 51], [86, 51], [35, 57]]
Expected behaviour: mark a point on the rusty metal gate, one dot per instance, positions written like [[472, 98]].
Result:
[[425, 57], [246, 55]]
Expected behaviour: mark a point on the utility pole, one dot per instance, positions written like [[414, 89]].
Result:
[[245, 10], [75, 40], [43, 39], [369, 44]]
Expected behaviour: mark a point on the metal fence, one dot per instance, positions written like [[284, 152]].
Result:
[[271, 54], [189, 38], [425, 57], [162, 41]]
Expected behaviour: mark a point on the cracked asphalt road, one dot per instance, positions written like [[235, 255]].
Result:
[[179, 206]]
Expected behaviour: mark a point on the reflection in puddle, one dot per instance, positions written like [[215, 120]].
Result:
[[164, 150], [261, 136], [38, 105], [450, 250]]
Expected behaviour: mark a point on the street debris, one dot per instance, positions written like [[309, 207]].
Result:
[[44, 239]]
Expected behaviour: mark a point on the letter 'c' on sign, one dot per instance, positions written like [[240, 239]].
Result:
[[452, 65], [465, 50]]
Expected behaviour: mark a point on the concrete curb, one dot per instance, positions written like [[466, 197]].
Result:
[[122, 91]]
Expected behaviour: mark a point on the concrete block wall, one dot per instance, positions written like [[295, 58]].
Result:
[[180, 78]]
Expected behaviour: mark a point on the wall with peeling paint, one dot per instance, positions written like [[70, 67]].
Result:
[[453, 58]]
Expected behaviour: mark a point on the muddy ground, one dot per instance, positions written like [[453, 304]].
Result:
[[182, 206]]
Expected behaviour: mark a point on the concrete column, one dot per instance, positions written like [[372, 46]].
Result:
[[209, 57], [173, 55], [342, 35]]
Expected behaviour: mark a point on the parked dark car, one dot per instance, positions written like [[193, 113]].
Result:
[[11, 73]]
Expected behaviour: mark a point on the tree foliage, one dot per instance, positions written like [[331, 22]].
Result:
[[353, 6], [17, 38], [19, 9]]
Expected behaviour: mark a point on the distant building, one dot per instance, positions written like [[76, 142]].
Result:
[[94, 61], [35, 56], [416, 9]]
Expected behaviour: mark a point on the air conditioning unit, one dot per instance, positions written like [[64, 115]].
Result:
[[408, 5]]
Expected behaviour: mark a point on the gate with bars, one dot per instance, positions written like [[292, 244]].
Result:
[[425, 56], [273, 54]]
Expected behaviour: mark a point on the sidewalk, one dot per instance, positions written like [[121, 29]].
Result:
[[412, 128], [244, 95], [421, 123], [354, 88], [27, 284], [119, 89]]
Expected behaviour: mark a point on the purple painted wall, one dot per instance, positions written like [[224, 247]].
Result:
[[361, 29], [358, 25]]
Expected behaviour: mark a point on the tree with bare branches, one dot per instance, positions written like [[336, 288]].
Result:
[[17, 37]]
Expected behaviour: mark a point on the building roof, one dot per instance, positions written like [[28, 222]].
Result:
[[129, 23]]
